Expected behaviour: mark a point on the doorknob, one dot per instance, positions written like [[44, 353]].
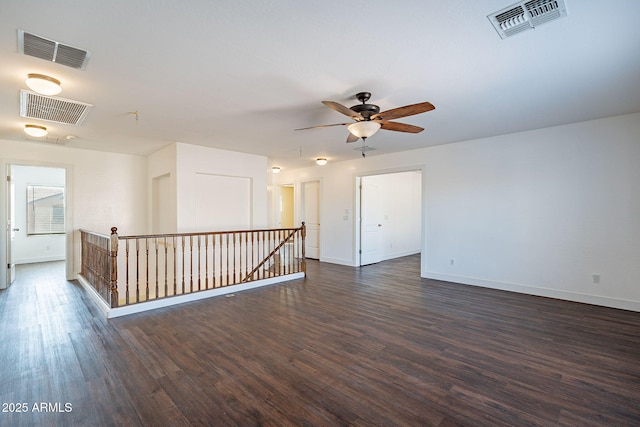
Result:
[[16, 229], [379, 225]]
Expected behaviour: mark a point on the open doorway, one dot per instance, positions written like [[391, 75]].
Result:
[[36, 211], [390, 212], [287, 212], [301, 203]]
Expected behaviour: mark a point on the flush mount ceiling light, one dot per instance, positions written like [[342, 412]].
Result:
[[275, 169], [321, 161], [35, 130], [44, 85], [364, 129]]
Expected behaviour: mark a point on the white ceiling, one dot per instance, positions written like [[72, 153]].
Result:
[[241, 75]]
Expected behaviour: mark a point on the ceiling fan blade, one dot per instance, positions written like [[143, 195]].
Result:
[[344, 110], [324, 126], [407, 110], [400, 127], [352, 138]]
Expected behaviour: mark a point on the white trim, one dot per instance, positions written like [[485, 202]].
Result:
[[339, 261], [100, 303], [38, 259], [5, 165], [400, 254], [357, 182], [542, 292], [180, 299]]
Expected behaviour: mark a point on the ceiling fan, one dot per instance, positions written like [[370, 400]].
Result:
[[368, 119]]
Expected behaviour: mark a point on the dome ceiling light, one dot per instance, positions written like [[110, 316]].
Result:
[[35, 131], [364, 129], [44, 85]]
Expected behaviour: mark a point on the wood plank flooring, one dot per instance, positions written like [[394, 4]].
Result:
[[345, 346]]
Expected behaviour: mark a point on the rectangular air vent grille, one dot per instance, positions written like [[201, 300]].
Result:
[[52, 109], [52, 140], [528, 15], [53, 51]]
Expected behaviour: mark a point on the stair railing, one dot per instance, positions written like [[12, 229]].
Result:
[[127, 270]]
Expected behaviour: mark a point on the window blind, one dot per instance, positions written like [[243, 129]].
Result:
[[45, 210]]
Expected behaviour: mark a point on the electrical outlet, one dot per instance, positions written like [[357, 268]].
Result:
[[451, 262], [596, 278]]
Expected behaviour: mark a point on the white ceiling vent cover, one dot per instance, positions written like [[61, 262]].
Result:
[[526, 15], [52, 109], [49, 50], [54, 140]]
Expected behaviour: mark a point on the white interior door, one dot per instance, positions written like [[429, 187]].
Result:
[[370, 225], [11, 230], [311, 217]]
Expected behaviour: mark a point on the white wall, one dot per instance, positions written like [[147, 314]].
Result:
[[162, 187], [34, 248], [102, 190], [194, 188], [202, 209], [538, 212]]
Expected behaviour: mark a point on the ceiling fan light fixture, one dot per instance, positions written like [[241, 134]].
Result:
[[44, 85], [364, 129], [321, 161], [35, 131]]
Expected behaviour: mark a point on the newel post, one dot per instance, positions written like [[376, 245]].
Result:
[[303, 232], [114, 267]]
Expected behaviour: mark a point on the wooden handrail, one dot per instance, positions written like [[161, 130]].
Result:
[[204, 233]]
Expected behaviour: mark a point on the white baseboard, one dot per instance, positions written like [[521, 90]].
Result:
[[100, 303], [180, 299], [352, 263], [39, 259], [339, 261], [542, 292], [395, 255]]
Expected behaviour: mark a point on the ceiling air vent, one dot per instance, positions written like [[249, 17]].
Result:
[[52, 109], [53, 51], [526, 15], [54, 140]]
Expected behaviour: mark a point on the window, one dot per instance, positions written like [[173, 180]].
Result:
[[45, 210]]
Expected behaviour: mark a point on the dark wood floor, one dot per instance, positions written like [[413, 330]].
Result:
[[370, 346]]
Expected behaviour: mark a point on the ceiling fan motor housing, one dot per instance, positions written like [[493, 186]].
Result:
[[365, 110]]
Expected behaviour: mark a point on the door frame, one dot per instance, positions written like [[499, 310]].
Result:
[[357, 232], [362, 225], [277, 213], [5, 166], [298, 202]]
